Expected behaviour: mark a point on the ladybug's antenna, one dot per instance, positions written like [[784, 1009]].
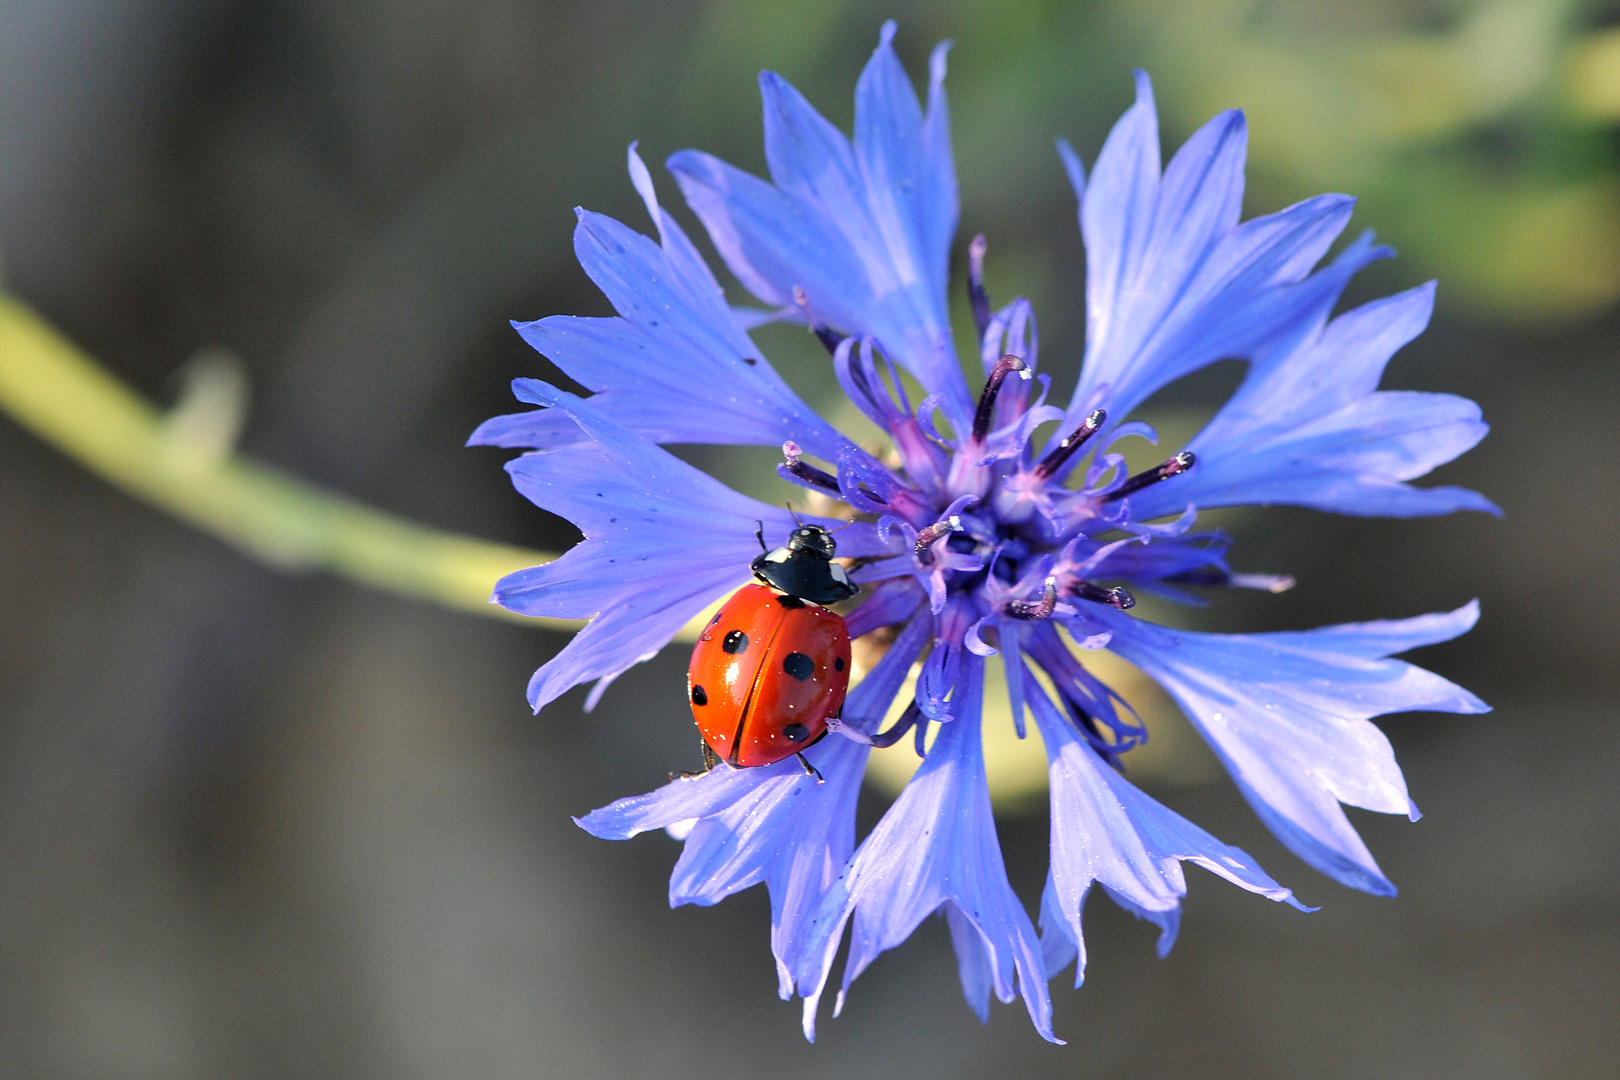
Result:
[[796, 519], [840, 528]]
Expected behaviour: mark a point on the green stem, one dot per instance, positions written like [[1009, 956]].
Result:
[[53, 389]]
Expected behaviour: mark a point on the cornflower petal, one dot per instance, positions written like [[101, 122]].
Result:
[[774, 824], [674, 366], [864, 230], [1105, 831], [887, 603], [1287, 713], [935, 847], [1311, 428], [1173, 281]]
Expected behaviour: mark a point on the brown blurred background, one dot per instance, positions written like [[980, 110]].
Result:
[[257, 825]]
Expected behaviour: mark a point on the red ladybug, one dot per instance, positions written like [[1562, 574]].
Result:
[[773, 664]]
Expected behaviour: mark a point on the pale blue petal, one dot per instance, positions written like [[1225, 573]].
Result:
[[676, 366], [972, 962], [935, 846], [1106, 831], [684, 799], [1073, 169], [909, 180], [1173, 281], [1116, 219], [789, 832], [933, 190], [773, 823], [1231, 303], [1309, 428], [1288, 714], [864, 230]]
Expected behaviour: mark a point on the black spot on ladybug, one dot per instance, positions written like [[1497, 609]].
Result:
[[792, 603], [799, 666], [699, 696], [735, 642], [796, 732], [838, 664]]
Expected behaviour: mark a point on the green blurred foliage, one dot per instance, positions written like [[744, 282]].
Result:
[[1464, 128]]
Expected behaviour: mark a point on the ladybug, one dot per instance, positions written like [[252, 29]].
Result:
[[773, 664]]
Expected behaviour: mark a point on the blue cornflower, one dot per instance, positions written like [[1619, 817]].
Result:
[[975, 533]]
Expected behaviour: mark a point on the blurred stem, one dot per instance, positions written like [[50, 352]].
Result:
[[185, 466]]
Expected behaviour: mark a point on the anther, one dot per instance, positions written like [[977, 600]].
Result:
[[1039, 609], [806, 473], [828, 337], [926, 538], [1174, 467], [992, 388], [978, 299], [1114, 598], [1071, 443]]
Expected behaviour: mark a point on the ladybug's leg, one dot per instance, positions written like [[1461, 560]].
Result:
[[810, 770], [759, 534], [710, 760]]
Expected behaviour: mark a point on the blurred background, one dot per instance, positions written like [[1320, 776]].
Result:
[[262, 824]]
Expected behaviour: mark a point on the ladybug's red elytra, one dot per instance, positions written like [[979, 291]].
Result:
[[772, 666]]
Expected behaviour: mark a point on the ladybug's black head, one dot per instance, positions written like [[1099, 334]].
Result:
[[813, 539], [803, 568]]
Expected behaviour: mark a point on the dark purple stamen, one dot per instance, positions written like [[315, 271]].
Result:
[[1174, 467], [992, 387], [901, 726], [1071, 443], [828, 337], [1039, 609], [1116, 598], [978, 299], [805, 473], [926, 538]]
